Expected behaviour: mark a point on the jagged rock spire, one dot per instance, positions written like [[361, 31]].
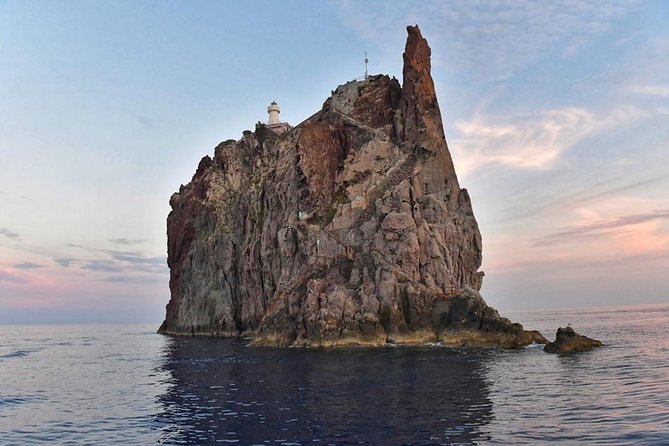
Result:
[[420, 100], [421, 118]]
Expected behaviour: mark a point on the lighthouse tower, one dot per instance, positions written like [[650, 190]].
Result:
[[273, 111], [274, 123]]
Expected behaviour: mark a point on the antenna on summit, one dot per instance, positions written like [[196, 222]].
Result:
[[366, 62]]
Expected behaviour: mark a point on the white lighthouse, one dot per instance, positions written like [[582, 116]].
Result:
[[274, 123], [273, 111]]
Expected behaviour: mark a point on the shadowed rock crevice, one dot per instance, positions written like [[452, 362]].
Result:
[[351, 228]]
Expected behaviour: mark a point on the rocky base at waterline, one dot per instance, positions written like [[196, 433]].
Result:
[[568, 341], [349, 229]]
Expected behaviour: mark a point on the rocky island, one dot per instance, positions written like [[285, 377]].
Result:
[[349, 229], [568, 341]]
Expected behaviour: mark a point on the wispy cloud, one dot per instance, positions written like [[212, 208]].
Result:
[[597, 229], [10, 234], [531, 141], [526, 142], [139, 261], [107, 266], [143, 278], [125, 241], [585, 264], [12, 278], [651, 90], [27, 265], [122, 262], [65, 263], [137, 258], [11, 198], [145, 121], [642, 72], [493, 39], [583, 196]]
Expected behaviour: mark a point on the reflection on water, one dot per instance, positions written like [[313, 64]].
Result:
[[124, 384], [222, 391]]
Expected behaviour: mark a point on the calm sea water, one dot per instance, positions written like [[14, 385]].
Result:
[[124, 384]]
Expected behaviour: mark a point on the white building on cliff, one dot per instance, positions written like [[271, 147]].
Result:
[[274, 123]]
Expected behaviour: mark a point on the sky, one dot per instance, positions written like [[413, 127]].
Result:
[[556, 114]]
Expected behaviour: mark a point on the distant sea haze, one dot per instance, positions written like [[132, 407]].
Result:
[[124, 384]]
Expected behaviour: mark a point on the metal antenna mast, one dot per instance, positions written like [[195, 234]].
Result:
[[366, 62]]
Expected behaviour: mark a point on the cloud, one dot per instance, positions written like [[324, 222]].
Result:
[[526, 142], [12, 278], [584, 264], [11, 198], [115, 261], [145, 121], [651, 90], [606, 227], [606, 189], [491, 39], [125, 241], [27, 265], [147, 264], [108, 266], [581, 279], [531, 141], [583, 196], [136, 258], [644, 71], [138, 261], [10, 234], [135, 279]]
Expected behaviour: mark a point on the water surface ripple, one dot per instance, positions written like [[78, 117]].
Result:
[[124, 384]]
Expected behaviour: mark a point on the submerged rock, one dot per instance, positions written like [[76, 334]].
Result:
[[350, 228], [568, 341]]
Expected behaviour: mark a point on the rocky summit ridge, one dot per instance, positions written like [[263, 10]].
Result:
[[349, 229]]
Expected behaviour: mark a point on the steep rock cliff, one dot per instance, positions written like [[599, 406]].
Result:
[[349, 229]]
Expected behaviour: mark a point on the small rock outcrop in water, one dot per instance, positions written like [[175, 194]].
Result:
[[568, 341], [350, 228]]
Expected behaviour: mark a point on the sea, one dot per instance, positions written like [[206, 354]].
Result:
[[127, 385]]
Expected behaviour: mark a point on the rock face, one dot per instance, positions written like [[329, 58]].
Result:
[[568, 341], [350, 228]]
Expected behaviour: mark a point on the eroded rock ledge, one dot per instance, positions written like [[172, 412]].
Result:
[[351, 228]]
